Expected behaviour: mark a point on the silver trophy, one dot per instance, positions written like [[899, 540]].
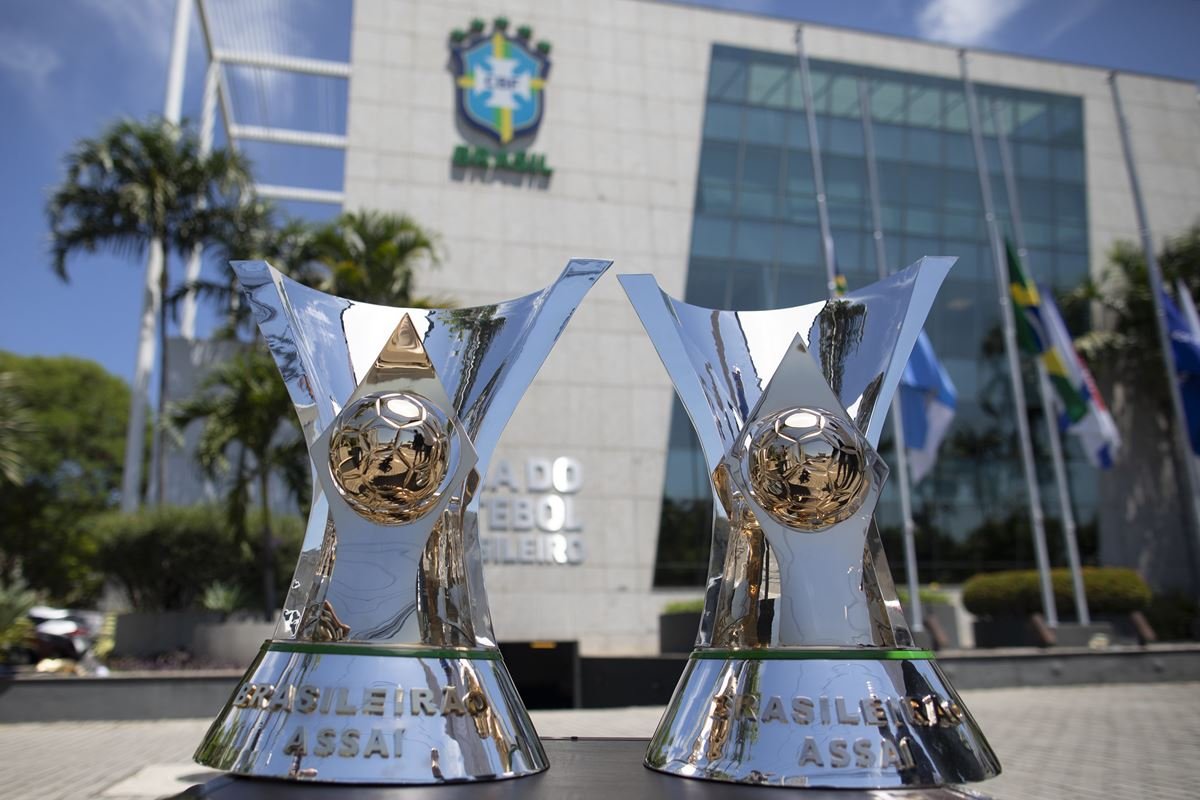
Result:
[[384, 668], [804, 671]]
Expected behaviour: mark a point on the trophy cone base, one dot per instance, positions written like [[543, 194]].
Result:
[[841, 719], [346, 713]]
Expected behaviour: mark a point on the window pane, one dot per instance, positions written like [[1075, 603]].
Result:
[[800, 208], [956, 112], [843, 100], [718, 169], [1068, 122], [962, 226], [761, 169], [1032, 120], [1072, 237], [799, 244], [723, 122], [1033, 160], [727, 78], [924, 187], [1070, 203], [760, 181], [850, 213], [924, 107], [1039, 234], [1036, 199], [1068, 164], [799, 173], [889, 142], [764, 126], [924, 147], [845, 137], [921, 221], [797, 133], [755, 241], [962, 190], [707, 283], [960, 152], [820, 89], [845, 178], [891, 183], [768, 85], [710, 237], [750, 287], [887, 102]]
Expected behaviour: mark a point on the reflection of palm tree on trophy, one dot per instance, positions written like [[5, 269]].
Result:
[[841, 324]]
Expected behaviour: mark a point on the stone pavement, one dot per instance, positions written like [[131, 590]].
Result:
[[1080, 742]]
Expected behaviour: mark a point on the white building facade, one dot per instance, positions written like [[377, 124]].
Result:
[[631, 130]]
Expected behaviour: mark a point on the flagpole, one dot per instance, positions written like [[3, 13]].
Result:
[[814, 147], [902, 474], [1010, 347], [1182, 449], [1047, 394]]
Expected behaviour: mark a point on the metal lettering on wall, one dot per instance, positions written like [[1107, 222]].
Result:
[[529, 514]]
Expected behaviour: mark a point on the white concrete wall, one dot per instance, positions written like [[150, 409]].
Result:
[[625, 102]]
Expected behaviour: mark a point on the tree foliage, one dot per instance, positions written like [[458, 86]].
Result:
[[140, 181], [166, 558], [71, 453], [243, 404], [1125, 345]]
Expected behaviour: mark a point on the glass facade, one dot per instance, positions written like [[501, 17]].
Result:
[[756, 244]]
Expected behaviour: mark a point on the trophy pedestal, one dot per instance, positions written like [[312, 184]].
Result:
[[846, 719], [585, 769], [347, 713]]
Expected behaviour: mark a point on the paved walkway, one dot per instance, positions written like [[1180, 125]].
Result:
[[1082, 743]]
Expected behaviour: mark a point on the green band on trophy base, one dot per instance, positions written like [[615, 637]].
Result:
[[814, 654], [380, 650]]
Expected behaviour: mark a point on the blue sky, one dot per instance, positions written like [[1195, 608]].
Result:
[[67, 67]]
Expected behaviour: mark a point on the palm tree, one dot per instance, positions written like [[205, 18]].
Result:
[[15, 422], [143, 188], [372, 257], [259, 232], [242, 402]]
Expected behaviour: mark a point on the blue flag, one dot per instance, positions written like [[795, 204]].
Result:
[[1185, 348], [1095, 429], [927, 402]]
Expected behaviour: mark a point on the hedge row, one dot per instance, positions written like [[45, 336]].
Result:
[[1110, 590]]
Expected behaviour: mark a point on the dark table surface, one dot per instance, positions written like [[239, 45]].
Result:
[[580, 769]]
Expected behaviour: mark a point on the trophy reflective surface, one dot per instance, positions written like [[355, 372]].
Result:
[[384, 668], [804, 671]]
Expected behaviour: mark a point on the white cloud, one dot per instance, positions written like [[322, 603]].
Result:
[[145, 24], [965, 22], [30, 61]]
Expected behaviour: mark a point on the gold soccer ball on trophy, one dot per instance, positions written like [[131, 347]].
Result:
[[389, 454], [808, 468]]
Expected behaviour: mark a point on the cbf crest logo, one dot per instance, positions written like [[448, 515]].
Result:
[[500, 80]]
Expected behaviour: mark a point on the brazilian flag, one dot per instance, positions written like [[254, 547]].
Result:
[[840, 287], [1033, 340]]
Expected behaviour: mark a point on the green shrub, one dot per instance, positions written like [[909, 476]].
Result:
[[224, 598], [929, 597], [1110, 590], [684, 606], [165, 558]]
